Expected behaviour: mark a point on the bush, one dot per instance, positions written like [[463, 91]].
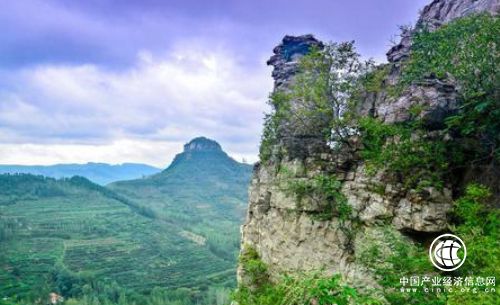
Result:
[[406, 151], [280, 104], [323, 187], [312, 288], [477, 223], [255, 270], [466, 50]]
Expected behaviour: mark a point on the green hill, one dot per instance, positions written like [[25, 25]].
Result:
[[100, 173], [171, 236], [203, 191]]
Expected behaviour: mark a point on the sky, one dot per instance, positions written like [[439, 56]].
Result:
[[133, 80]]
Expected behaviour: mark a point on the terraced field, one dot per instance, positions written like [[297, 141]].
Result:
[[86, 230]]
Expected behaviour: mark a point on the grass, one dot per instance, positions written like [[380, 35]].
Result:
[[95, 236]]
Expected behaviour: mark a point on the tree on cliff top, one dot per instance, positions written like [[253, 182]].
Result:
[[318, 103]]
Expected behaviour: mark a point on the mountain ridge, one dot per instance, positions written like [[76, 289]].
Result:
[[101, 173]]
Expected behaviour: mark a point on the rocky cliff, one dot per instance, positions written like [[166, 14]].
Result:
[[286, 231]]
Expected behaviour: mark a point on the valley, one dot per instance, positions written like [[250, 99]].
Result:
[[175, 234]]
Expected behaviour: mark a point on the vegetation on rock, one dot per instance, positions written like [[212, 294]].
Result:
[[417, 159], [325, 189], [320, 103], [466, 51], [312, 288], [475, 221]]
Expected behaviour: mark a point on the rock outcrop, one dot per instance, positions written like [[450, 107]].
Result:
[[286, 57], [285, 230], [202, 144], [436, 97]]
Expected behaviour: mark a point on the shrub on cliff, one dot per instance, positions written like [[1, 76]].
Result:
[[405, 150], [466, 50], [319, 103], [303, 289]]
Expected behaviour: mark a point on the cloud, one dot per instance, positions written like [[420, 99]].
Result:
[[169, 99], [152, 152], [110, 32], [79, 77]]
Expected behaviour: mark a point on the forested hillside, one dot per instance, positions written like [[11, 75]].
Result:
[[173, 240]]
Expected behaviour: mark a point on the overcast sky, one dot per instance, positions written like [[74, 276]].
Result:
[[133, 80]]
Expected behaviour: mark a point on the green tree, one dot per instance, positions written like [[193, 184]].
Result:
[[319, 103]]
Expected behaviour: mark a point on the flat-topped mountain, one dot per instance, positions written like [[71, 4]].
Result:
[[203, 163], [202, 171], [203, 191]]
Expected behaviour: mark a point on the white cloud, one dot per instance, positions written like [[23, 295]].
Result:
[[152, 152], [55, 113]]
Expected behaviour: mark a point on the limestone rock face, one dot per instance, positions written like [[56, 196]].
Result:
[[432, 100], [436, 99], [440, 12], [288, 232], [297, 136], [423, 211], [287, 236], [286, 57], [375, 201]]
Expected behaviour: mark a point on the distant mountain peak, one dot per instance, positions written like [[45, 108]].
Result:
[[202, 144]]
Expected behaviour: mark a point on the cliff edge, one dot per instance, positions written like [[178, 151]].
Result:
[[293, 233]]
